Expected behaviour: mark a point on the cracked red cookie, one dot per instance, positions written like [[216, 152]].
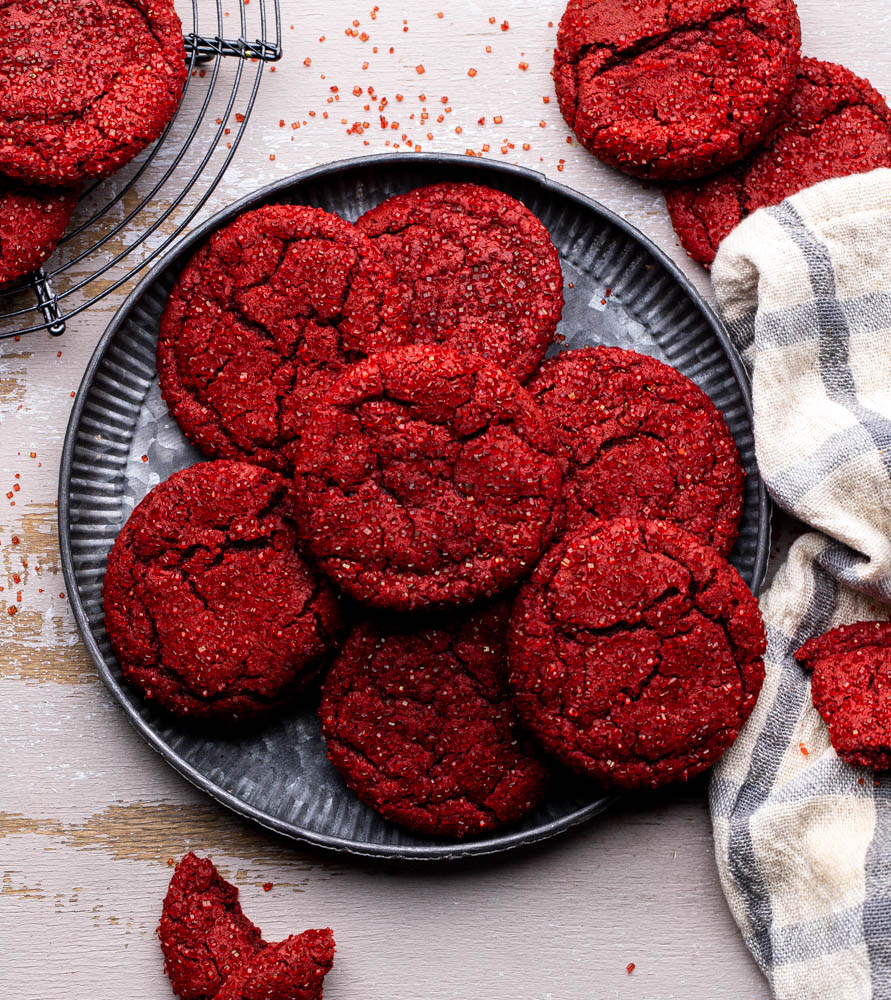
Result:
[[211, 949], [836, 124], [294, 969], [210, 609], [477, 270], [675, 89], [641, 440], [635, 653], [850, 687], [32, 221], [85, 85], [263, 319], [204, 934], [426, 478], [418, 720]]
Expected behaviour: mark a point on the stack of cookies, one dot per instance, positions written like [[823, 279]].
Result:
[[84, 86], [713, 98], [499, 564]]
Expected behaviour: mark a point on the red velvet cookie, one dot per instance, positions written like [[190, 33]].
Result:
[[635, 653], [419, 722], [674, 89], [211, 949], [204, 935], [641, 440], [85, 84], [32, 221], [477, 270], [850, 686], [210, 609], [836, 125], [295, 969], [263, 319], [426, 478]]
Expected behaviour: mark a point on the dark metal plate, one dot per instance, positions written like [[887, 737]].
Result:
[[121, 442]]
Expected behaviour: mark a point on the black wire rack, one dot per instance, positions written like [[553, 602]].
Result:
[[128, 220]]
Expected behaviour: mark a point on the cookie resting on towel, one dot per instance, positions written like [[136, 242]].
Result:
[[675, 88], [426, 478], [635, 653], [210, 609], [85, 84], [851, 689], [641, 440], [477, 270], [836, 125], [264, 317], [418, 720]]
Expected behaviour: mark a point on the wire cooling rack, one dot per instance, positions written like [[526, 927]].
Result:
[[123, 223]]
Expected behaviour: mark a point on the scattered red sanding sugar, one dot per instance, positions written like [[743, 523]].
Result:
[[851, 669], [267, 886], [635, 652], [630, 967], [667, 90], [837, 124], [803, 749]]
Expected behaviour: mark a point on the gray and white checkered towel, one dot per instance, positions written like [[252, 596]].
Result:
[[803, 840]]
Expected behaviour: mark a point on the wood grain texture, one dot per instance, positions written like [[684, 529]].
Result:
[[89, 815]]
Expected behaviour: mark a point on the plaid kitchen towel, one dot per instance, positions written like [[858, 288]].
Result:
[[803, 840]]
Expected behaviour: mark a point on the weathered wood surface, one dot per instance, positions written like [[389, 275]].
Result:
[[89, 816]]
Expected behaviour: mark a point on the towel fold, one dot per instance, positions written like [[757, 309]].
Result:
[[803, 840]]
